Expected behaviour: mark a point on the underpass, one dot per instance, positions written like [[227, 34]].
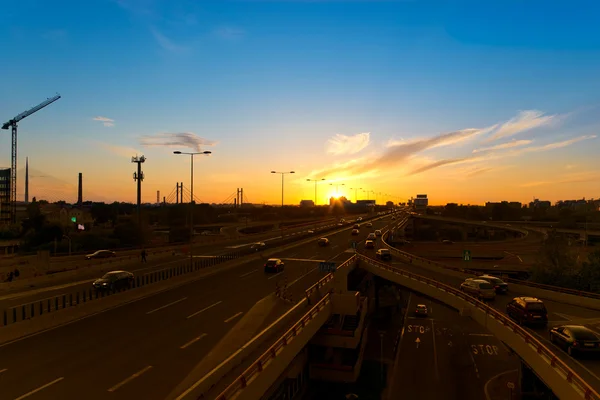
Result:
[[156, 340]]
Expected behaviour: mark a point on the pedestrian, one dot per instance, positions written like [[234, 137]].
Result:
[[17, 273], [144, 256], [10, 276]]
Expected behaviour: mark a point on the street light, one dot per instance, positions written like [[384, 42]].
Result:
[[282, 174], [337, 187], [192, 154], [315, 181], [355, 193]]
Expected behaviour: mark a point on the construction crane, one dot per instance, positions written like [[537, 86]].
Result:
[[13, 160]]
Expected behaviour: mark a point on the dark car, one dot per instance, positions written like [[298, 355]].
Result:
[[114, 280], [369, 244], [274, 265], [323, 242], [384, 254], [258, 246], [499, 284], [576, 339], [101, 254], [527, 310]]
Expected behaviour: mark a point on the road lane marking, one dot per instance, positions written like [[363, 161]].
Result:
[[435, 362], [474, 363], [165, 306], [302, 259], [194, 340], [397, 355], [493, 378], [204, 309], [233, 317], [34, 391], [132, 377], [276, 275], [480, 334], [248, 273], [3, 370], [303, 276]]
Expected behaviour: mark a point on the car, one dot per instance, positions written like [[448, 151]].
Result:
[[359, 219], [499, 285], [371, 236], [421, 310], [355, 232], [527, 311], [479, 288], [274, 265], [323, 242], [258, 246], [384, 254], [310, 231], [446, 241], [369, 244], [378, 232], [114, 280], [101, 254], [356, 226], [576, 339], [369, 225]]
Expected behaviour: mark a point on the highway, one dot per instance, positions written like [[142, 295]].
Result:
[[44, 288], [558, 313], [145, 348], [446, 357]]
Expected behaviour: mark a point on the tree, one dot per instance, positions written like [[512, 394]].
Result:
[[590, 273], [555, 264]]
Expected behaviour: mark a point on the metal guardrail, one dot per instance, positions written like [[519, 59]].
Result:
[[556, 363], [258, 366], [412, 257]]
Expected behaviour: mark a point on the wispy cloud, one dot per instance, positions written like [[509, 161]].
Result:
[[122, 151], [437, 164], [229, 33], [183, 139], [507, 145], [524, 121], [553, 146], [570, 166], [105, 121], [168, 44], [588, 176], [342, 144]]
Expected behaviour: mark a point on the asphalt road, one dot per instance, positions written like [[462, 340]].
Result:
[[445, 356], [558, 313], [142, 350], [61, 284]]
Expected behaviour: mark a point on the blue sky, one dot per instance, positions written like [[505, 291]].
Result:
[[272, 82]]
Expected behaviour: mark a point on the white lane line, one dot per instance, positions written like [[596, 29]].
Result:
[[303, 276], [34, 391], [204, 309], [3, 370], [233, 317], [493, 378], [275, 276], [248, 273], [194, 340], [132, 377], [480, 334], [165, 306], [435, 358], [474, 363], [302, 259]]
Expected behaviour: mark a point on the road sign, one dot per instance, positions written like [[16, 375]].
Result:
[[327, 266], [510, 385], [466, 255]]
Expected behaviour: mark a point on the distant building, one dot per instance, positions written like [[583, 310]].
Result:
[[64, 215], [536, 203], [4, 196], [421, 202], [307, 203], [389, 204]]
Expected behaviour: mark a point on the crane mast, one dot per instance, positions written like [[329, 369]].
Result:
[[12, 123]]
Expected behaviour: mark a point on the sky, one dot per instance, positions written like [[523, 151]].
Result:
[[465, 101]]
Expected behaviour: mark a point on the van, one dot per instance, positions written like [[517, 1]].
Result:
[[527, 311]]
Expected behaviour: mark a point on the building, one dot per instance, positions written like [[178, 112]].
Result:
[[540, 204], [307, 203], [5, 213], [421, 202], [389, 204], [65, 215]]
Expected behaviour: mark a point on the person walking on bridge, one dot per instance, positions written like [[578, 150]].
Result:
[[144, 256]]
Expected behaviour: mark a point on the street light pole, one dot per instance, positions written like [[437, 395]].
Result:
[[315, 181], [282, 174], [192, 154], [337, 188], [356, 193]]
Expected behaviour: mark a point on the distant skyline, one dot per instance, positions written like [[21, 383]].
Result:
[[486, 101]]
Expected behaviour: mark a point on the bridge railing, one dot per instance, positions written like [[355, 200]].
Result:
[[257, 367], [412, 258], [556, 363]]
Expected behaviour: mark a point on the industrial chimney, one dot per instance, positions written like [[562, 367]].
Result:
[[27, 180], [80, 190]]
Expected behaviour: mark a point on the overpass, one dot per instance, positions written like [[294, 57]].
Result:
[[569, 379]]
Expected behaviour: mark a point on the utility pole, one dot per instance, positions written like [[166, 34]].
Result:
[[356, 193], [315, 181], [282, 174], [139, 177]]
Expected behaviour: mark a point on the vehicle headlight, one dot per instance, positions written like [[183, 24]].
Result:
[[104, 283]]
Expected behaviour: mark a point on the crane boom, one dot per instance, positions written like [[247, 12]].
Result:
[[27, 113]]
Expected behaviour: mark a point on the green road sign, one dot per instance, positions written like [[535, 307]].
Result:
[[466, 255]]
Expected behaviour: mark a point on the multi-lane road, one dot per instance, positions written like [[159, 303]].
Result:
[[558, 314], [145, 348]]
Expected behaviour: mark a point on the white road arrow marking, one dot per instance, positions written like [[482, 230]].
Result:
[[417, 342]]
